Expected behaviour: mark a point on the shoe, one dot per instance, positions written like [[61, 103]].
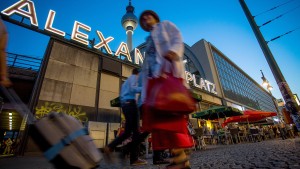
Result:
[[159, 157], [178, 166], [107, 154], [179, 161], [158, 162], [139, 162]]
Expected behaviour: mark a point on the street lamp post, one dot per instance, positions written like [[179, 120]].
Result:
[[285, 90], [269, 88]]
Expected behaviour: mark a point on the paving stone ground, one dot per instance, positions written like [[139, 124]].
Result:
[[272, 154]]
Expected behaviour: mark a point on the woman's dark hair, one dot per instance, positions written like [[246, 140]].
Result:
[[135, 71], [147, 12]]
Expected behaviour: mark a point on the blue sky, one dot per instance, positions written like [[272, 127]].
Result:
[[221, 22]]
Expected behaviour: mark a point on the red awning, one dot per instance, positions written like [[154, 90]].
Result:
[[243, 118], [249, 116], [259, 113]]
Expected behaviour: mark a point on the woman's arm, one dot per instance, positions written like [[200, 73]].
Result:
[[176, 43], [133, 84]]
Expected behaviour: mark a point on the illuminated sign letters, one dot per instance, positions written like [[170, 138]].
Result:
[[123, 49], [138, 56], [49, 24], [104, 42], [80, 36], [203, 84], [17, 8], [26, 8]]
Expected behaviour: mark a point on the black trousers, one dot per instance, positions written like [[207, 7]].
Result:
[[131, 114], [283, 133]]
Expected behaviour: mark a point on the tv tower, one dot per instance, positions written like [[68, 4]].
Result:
[[129, 22]]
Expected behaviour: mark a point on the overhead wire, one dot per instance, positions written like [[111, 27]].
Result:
[[275, 7], [277, 37], [279, 16]]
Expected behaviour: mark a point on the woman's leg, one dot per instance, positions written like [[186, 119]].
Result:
[[171, 140], [180, 159]]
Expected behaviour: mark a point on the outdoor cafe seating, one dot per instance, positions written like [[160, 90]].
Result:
[[255, 135], [235, 134], [243, 136]]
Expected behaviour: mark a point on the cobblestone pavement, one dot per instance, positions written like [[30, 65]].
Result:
[[271, 154], [267, 154]]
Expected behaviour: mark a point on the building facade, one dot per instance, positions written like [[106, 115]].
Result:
[[238, 88]]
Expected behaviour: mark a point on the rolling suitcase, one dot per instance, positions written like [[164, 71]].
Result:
[[62, 138]]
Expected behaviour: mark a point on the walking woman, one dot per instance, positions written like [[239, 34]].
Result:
[[164, 53]]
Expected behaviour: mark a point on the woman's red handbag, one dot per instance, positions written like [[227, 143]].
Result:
[[168, 94], [157, 120]]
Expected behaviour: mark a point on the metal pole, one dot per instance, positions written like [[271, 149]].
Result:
[[285, 90]]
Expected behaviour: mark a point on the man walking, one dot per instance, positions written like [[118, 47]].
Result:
[[129, 107]]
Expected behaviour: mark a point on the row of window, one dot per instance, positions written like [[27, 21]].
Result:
[[238, 87]]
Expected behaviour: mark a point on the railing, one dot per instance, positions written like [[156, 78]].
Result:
[[23, 62]]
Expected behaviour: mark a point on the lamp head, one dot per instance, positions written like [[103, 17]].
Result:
[[265, 81], [270, 87]]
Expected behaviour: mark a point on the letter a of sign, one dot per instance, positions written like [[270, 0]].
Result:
[[123, 50], [17, 8], [104, 42]]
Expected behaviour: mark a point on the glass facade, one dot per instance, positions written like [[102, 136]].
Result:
[[190, 67], [240, 88]]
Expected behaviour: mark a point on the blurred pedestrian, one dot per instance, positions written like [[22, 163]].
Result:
[[295, 130], [164, 53], [13, 146], [8, 144], [129, 107], [3, 67], [289, 131], [282, 131], [275, 131], [261, 132]]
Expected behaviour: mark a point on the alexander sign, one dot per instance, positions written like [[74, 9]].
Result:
[[26, 8]]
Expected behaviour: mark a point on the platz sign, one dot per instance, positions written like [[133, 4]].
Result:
[[203, 84], [26, 8]]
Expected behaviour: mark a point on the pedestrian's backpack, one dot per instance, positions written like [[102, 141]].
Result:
[[62, 138]]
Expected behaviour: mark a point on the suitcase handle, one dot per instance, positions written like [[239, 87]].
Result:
[[18, 104]]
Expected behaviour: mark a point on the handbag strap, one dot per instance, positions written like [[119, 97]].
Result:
[[163, 67]]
